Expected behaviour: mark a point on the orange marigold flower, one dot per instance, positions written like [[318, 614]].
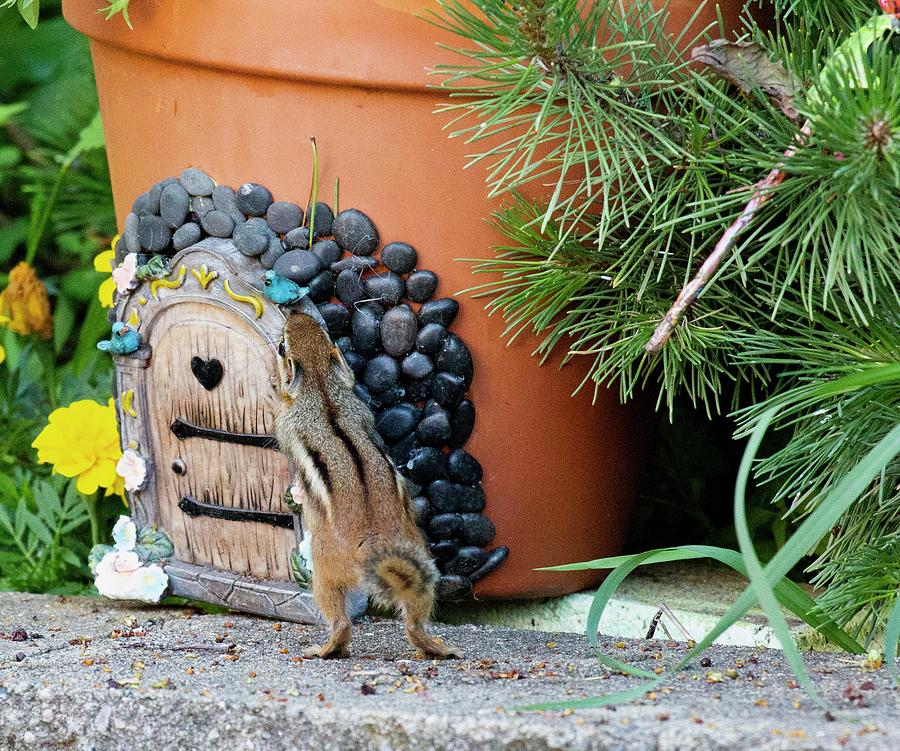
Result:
[[24, 305]]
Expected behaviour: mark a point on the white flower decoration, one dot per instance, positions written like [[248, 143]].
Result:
[[304, 549], [125, 534], [132, 468], [297, 494], [120, 576], [123, 274]]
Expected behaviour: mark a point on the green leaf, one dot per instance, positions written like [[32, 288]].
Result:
[[63, 321], [89, 137], [30, 10], [9, 111], [761, 588]]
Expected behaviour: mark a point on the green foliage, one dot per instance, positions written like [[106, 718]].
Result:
[[767, 585], [42, 547], [55, 212], [639, 164]]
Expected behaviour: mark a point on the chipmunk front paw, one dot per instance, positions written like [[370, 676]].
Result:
[[327, 651]]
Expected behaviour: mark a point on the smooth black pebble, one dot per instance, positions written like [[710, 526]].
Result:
[[398, 331], [388, 288], [420, 285], [399, 257], [321, 287], [434, 430], [323, 220], [496, 557], [200, 207], [401, 451], [349, 287], [381, 373], [298, 265], [444, 550], [130, 233], [153, 233], [477, 529], [283, 216], [430, 338], [396, 422], [366, 329], [355, 232], [297, 238], [186, 235], [218, 224], [467, 561], [461, 423], [448, 389], [327, 251], [419, 389], [174, 204], [273, 252], [196, 182], [454, 357], [463, 467], [253, 199], [445, 497], [441, 311], [427, 464], [250, 239], [472, 499], [451, 588], [445, 526], [416, 365], [337, 318]]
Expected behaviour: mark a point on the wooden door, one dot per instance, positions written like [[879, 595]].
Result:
[[220, 483]]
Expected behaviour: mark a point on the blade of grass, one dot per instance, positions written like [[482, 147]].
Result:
[[764, 593]]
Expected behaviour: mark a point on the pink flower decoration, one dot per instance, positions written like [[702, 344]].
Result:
[[123, 274]]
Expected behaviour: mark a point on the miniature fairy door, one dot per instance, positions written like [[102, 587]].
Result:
[[220, 483]]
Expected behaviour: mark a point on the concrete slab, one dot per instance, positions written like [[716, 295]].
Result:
[[696, 593], [80, 673]]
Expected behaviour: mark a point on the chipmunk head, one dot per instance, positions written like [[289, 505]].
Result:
[[305, 349]]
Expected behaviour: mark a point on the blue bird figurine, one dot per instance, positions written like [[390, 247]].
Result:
[[283, 291], [124, 340]]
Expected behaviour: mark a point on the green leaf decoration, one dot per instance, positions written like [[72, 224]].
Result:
[[153, 545], [96, 555]]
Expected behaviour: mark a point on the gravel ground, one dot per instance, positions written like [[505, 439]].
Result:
[[79, 673]]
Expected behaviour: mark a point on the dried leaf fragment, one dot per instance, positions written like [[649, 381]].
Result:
[[747, 65]]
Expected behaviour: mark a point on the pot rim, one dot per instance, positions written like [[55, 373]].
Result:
[[372, 44]]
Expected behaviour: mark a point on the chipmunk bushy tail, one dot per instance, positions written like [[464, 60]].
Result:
[[402, 574]]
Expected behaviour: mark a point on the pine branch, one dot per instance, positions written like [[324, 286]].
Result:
[[762, 192], [847, 59]]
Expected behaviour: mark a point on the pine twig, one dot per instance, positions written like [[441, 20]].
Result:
[[762, 192]]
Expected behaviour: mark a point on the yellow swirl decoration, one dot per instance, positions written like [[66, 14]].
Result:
[[249, 299], [142, 300], [168, 283], [134, 319], [128, 403], [204, 276]]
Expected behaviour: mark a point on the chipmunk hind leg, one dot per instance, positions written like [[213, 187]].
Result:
[[331, 597], [404, 575]]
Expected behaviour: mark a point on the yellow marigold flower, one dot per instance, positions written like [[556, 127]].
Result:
[[103, 262], [24, 305], [82, 440]]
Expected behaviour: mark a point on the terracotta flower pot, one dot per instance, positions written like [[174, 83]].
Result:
[[237, 88]]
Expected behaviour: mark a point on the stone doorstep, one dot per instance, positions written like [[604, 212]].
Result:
[[697, 593], [99, 676]]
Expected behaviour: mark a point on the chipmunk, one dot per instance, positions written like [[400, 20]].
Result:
[[357, 505]]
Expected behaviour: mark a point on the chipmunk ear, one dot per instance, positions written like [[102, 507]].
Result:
[[342, 369]]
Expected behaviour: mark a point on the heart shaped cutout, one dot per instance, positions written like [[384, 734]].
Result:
[[208, 372]]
